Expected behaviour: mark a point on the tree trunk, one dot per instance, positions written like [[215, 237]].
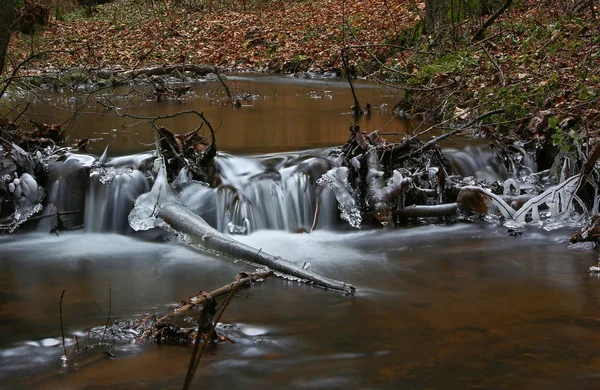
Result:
[[441, 13], [436, 15], [6, 11]]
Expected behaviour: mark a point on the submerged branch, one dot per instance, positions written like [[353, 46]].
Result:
[[202, 298]]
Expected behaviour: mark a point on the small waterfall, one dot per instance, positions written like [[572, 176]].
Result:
[[112, 190], [265, 192], [103, 196], [478, 161], [108, 203], [275, 191], [67, 186]]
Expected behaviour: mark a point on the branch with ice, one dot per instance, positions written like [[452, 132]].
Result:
[[558, 199]]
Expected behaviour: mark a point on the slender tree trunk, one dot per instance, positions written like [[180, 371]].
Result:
[[6, 11], [436, 15]]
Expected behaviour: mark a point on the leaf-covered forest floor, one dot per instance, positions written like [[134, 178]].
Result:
[[540, 60]]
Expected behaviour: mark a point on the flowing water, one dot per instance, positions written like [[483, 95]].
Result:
[[440, 307]]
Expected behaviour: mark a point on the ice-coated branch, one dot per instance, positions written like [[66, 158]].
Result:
[[199, 232]]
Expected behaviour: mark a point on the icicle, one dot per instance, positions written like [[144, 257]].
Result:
[[535, 214], [103, 157], [565, 172], [337, 180]]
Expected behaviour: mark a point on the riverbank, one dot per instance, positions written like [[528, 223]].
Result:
[[541, 63]]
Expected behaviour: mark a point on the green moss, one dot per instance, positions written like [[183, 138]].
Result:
[[78, 77]]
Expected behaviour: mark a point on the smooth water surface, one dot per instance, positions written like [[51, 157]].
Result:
[[279, 114], [451, 307]]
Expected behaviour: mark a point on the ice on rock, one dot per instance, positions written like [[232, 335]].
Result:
[[146, 206], [107, 175], [337, 180]]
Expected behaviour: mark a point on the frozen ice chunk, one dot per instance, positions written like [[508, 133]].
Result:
[[337, 180], [146, 206]]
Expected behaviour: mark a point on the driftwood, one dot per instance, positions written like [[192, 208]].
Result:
[[383, 181], [201, 233], [375, 198], [200, 70], [242, 279], [158, 330], [442, 210]]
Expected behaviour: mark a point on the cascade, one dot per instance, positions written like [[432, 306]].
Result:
[[108, 203], [264, 192], [275, 191], [67, 184], [478, 161]]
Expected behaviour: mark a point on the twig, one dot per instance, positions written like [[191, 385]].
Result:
[[190, 374], [216, 294], [229, 95], [39, 217], [7, 81], [62, 330], [11, 109], [196, 354], [456, 131], [448, 134], [495, 64], [161, 117], [356, 107], [109, 310], [391, 17]]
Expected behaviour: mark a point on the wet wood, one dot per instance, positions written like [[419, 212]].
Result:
[[199, 232], [243, 279], [375, 199], [200, 70], [418, 211]]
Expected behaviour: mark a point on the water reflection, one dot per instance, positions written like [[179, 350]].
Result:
[[440, 307], [281, 114]]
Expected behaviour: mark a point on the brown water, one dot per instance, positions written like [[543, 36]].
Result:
[[437, 307], [455, 307], [283, 114]]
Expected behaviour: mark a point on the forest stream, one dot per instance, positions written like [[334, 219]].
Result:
[[453, 306]]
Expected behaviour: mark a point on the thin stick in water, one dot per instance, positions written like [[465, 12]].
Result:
[[109, 310], [62, 329], [190, 375]]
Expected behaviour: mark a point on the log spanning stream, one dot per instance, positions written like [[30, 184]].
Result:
[[436, 306]]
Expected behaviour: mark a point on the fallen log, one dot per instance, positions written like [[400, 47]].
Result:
[[201, 233], [442, 210], [200, 70]]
